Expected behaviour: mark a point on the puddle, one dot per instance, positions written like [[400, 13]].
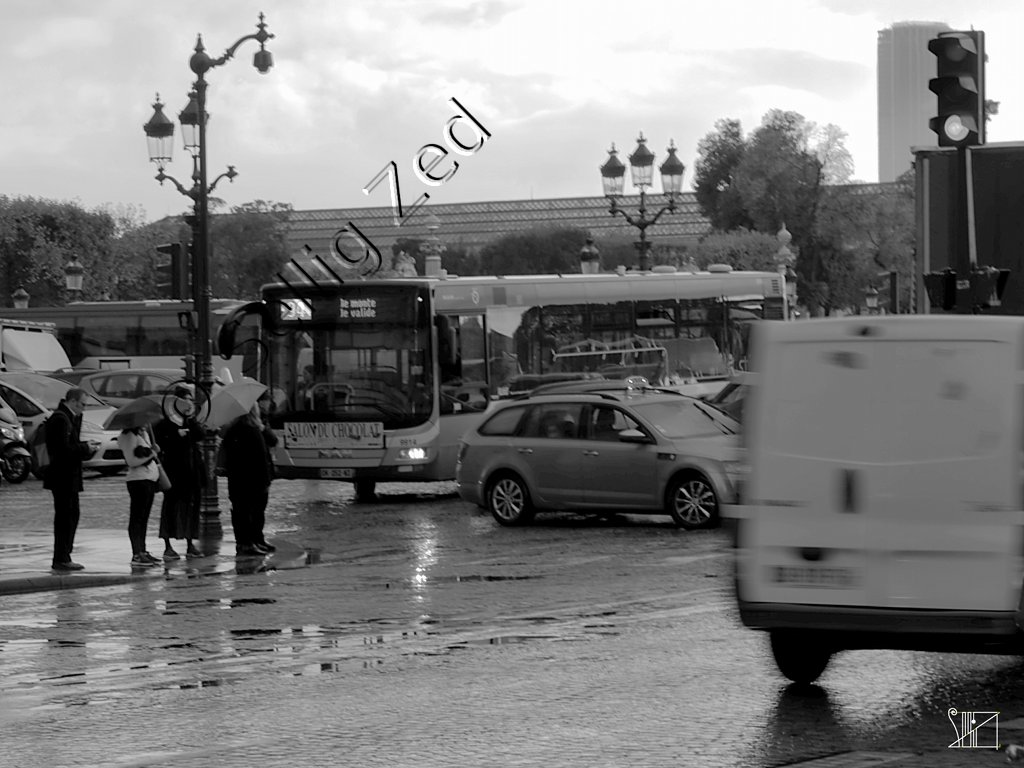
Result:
[[503, 640]]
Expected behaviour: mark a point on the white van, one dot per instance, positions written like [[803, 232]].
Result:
[[883, 507]]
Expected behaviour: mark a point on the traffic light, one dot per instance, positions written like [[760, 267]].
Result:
[[941, 289], [172, 275], [987, 285], [959, 85]]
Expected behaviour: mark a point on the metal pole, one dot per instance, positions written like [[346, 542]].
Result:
[[209, 508], [962, 254], [644, 261]]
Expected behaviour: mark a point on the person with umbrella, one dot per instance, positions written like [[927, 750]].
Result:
[[137, 447], [134, 419], [179, 437], [249, 469]]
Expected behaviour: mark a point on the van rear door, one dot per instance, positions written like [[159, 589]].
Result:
[[946, 516], [810, 435]]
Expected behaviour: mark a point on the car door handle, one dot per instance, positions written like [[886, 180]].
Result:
[[524, 450], [591, 453]]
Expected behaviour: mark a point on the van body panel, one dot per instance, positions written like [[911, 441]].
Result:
[[885, 471]]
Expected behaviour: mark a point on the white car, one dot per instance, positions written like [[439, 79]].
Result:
[[34, 397]]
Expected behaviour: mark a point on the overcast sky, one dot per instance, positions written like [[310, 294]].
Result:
[[360, 83]]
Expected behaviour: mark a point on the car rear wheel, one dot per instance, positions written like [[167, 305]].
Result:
[[800, 656], [509, 500], [692, 502]]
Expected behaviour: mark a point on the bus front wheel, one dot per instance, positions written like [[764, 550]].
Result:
[[366, 491]]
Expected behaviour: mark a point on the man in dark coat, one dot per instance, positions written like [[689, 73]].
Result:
[[249, 469], [63, 477]]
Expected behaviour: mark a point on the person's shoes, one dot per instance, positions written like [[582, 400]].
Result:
[[141, 561], [67, 566], [154, 560], [266, 546], [261, 549], [170, 554], [247, 549], [193, 553]]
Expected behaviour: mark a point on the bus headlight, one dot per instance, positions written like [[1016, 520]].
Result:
[[413, 454]]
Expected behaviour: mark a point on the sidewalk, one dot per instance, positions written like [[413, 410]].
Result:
[[25, 563]]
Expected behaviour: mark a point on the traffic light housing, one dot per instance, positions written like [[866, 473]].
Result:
[[173, 275], [987, 286], [941, 289], [959, 84]]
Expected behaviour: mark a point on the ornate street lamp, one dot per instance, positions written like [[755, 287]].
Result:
[[871, 299], [432, 247], [590, 258], [20, 298], [784, 260], [159, 133], [641, 165], [73, 275]]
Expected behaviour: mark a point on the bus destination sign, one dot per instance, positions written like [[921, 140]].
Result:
[[334, 434], [361, 309]]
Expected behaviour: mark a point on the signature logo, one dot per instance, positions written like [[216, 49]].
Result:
[[967, 734]]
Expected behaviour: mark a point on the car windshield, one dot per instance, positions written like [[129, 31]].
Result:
[[49, 392], [683, 419]]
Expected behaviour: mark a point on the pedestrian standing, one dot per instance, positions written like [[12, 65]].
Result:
[[249, 469], [179, 437], [141, 459], [63, 476]]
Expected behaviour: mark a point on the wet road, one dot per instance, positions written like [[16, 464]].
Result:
[[428, 635]]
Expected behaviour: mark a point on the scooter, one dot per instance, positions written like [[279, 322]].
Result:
[[15, 459]]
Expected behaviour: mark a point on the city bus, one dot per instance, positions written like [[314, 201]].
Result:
[[135, 334], [376, 380]]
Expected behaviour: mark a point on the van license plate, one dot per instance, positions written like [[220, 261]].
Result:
[[334, 473], [815, 576]]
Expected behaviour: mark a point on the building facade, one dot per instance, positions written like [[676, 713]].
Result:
[[905, 105]]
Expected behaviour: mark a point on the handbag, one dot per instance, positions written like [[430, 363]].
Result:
[[163, 482]]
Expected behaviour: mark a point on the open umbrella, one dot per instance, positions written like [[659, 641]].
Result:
[[233, 400], [140, 412]]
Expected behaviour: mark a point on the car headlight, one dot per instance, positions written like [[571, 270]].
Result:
[[13, 433], [413, 454]]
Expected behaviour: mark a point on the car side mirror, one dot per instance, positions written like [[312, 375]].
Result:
[[633, 436]]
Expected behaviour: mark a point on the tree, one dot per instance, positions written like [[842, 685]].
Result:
[[535, 251], [249, 248], [38, 237], [740, 249], [719, 154]]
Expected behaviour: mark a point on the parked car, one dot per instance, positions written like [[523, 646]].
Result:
[[34, 397], [620, 448], [119, 386]]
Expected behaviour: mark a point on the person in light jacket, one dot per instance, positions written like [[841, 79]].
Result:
[[140, 457]]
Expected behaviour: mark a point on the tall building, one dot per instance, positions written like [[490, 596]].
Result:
[[905, 105]]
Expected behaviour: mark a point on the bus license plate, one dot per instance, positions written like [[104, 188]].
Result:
[[334, 473], [815, 576]]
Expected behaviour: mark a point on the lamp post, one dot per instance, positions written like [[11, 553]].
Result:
[[784, 260], [641, 164], [590, 258], [159, 133], [432, 247], [871, 300], [73, 275]]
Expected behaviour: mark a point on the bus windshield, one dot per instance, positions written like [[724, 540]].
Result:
[[360, 355]]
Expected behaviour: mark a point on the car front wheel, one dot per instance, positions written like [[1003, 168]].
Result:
[[692, 502], [509, 500]]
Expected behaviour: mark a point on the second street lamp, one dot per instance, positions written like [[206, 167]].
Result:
[[641, 164], [159, 132]]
